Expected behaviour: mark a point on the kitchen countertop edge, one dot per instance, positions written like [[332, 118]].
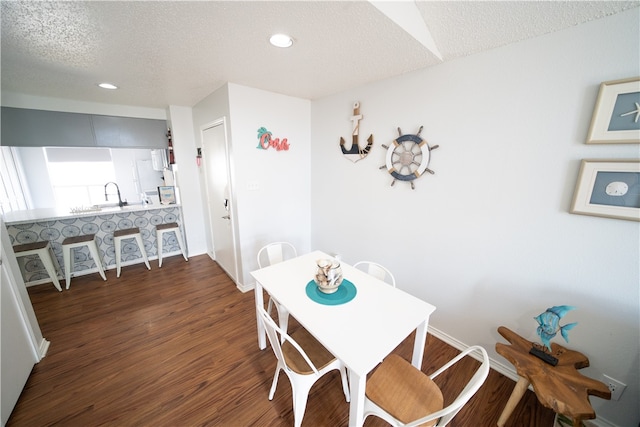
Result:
[[52, 214]]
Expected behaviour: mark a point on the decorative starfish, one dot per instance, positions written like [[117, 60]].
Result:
[[636, 111]]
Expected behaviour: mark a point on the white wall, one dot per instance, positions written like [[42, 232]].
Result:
[[213, 107], [22, 344], [270, 188], [39, 186], [187, 178], [278, 208], [488, 239]]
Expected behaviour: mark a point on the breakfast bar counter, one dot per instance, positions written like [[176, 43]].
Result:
[[54, 225]]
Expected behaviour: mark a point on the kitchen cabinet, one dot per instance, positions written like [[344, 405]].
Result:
[[127, 132], [22, 127]]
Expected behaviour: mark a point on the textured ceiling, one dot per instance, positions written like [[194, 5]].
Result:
[[177, 52]]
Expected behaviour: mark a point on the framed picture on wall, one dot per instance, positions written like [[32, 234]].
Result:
[[167, 194], [608, 188], [616, 117]]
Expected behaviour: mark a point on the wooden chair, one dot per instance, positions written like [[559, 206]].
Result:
[[271, 254], [376, 270], [303, 359], [402, 395]]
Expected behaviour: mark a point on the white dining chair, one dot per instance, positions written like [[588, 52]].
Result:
[[304, 360], [402, 395], [271, 254], [376, 270]]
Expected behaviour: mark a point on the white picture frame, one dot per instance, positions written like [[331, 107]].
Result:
[[608, 188], [167, 194], [616, 116]]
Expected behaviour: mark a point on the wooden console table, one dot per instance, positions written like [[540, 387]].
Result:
[[561, 387]]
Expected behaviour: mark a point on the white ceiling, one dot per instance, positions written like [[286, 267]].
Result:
[[177, 52]]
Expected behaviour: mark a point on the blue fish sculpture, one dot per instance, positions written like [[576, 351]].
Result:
[[549, 324]]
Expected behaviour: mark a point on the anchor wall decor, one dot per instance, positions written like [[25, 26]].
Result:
[[355, 153]]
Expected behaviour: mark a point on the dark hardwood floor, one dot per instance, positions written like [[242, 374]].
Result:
[[177, 346]]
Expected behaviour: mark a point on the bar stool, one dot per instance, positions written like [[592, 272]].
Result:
[[88, 240], [167, 228], [41, 249], [129, 233]]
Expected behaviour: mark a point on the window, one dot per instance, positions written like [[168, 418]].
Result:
[[12, 194], [78, 175]]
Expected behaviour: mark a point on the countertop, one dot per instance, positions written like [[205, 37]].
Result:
[[33, 215]]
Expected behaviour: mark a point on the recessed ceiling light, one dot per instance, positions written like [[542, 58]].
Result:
[[108, 86], [281, 40]]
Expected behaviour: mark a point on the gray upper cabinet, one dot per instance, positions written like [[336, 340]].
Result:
[[126, 132], [23, 127]]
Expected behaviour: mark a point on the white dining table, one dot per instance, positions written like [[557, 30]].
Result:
[[360, 332]]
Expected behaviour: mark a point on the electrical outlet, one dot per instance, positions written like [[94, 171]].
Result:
[[616, 387]]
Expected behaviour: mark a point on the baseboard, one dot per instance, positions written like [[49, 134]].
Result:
[[43, 348], [42, 281], [244, 288], [496, 365]]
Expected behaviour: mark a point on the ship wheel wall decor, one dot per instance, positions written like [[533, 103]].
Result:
[[356, 153], [408, 157]]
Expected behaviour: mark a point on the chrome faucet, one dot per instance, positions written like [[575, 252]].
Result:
[[106, 195]]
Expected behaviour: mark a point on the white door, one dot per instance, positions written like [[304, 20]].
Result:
[[18, 344], [219, 201]]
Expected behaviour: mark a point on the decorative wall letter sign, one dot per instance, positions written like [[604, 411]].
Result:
[[265, 141], [408, 157], [355, 153]]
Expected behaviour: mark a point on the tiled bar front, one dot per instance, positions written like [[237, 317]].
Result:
[[102, 224]]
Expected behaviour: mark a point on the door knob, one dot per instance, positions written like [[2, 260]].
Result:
[[226, 217]]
